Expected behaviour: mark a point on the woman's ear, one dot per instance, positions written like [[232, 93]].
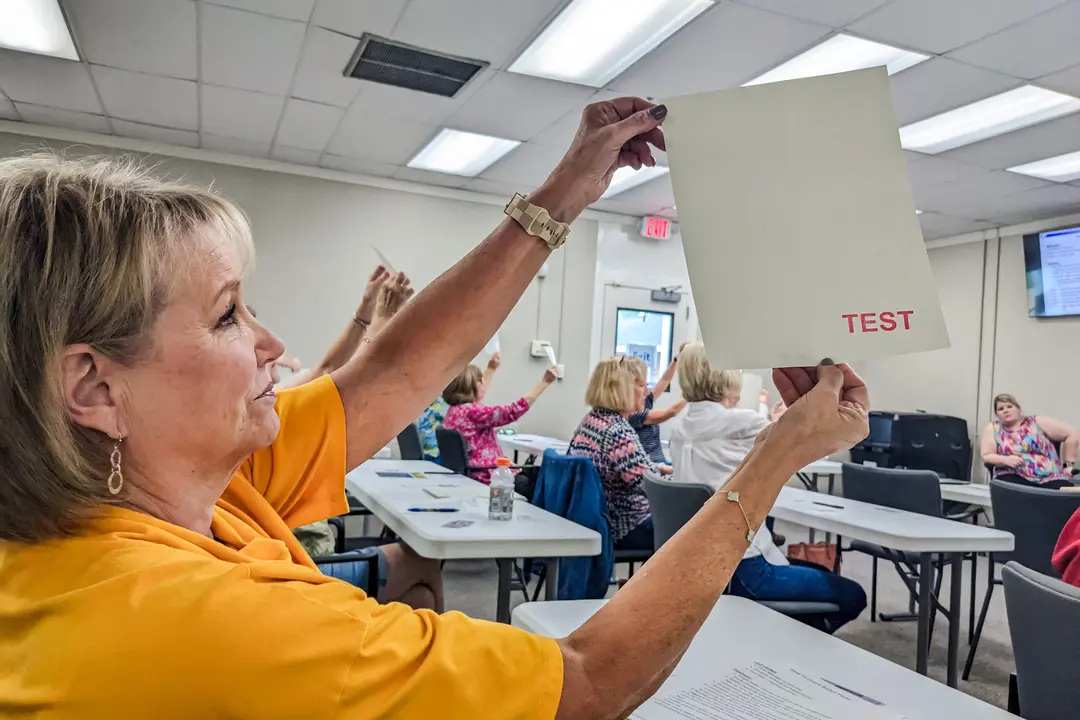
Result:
[[84, 376]]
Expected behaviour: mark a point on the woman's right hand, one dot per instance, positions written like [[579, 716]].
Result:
[[371, 293], [1013, 461], [828, 410], [551, 374]]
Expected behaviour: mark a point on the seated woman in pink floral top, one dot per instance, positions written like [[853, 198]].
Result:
[[477, 422]]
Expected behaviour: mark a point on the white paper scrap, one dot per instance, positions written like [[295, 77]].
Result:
[[492, 346], [805, 181], [382, 258]]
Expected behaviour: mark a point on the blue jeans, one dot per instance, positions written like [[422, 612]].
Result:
[[756, 579], [640, 538]]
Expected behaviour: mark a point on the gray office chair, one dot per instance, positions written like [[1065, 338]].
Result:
[[1035, 517], [673, 504], [917, 491], [1044, 622], [409, 445]]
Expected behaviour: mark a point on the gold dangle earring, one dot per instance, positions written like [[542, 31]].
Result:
[[116, 474]]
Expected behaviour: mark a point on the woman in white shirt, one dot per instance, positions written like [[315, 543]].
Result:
[[709, 440]]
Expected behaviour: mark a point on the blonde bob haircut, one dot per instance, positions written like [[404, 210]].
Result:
[[89, 249], [611, 385], [465, 387], [699, 382], [1005, 398], [638, 367]]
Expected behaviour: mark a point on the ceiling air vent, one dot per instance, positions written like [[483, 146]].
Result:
[[393, 63]]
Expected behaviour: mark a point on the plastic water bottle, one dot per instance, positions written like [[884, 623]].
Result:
[[501, 498]]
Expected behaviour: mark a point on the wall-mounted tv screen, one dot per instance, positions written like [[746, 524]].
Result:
[[1052, 267]]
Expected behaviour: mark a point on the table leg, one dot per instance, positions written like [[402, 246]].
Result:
[[955, 580], [551, 580], [502, 608], [922, 642]]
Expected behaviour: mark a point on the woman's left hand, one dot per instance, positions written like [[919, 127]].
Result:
[[612, 134], [375, 283], [392, 296]]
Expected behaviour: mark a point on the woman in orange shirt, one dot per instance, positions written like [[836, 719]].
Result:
[[149, 474]]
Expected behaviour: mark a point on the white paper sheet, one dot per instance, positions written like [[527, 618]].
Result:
[[757, 691], [492, 346], [798, 225], [382, 258]]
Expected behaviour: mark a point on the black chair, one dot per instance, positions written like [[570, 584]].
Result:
[[917, 491], [1035, 517], [334, 565], [454, 455], [408, 442], [1044, 624]]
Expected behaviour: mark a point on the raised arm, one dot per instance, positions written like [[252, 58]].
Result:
[[624, 652], [447, 324], [662, 415], [665, 379], [493, 364], [1063, 433]]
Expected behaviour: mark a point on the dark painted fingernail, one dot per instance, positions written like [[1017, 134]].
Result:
[[827, 362], [659, 112]]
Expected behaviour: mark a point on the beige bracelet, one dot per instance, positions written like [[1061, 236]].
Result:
[[733, 496]]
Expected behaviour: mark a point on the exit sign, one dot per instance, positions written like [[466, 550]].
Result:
[[656, 227]]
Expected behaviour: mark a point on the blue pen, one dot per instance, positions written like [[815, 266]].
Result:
[[433, 509]]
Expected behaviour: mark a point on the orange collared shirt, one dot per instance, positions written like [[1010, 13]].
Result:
[[139, 618]]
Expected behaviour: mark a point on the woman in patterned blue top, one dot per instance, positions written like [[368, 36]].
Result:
[[605, 437]]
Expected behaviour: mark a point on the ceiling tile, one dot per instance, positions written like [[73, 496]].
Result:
[[320, 76], [47, 81], [7, 110], [491, 187], [1066, 81], [376, 98], [463, 27], [355, 165], [650, 197], [1045, 44], [928, 170], [239, 113], [294, 155], [235, 146], [1041, 204], [1037, 142], [974, 197], [938, 27], [249, 51], [169, 136], [153, 99], [380, 138], [427, 177], [526, 166], [941, 84], [937, 225], [307, 125], [288, 9], [834, 13], [724, 47], [356, 17], [152, 36], [63, 118], [518, 106], [561, 132]]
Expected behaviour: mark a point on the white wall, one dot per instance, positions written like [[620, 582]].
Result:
[[312, 240]]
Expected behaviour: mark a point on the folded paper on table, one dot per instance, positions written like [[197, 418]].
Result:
[[803, 181]]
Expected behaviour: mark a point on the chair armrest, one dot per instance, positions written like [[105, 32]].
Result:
[[367, 555]]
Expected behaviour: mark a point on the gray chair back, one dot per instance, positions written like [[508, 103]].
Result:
[[1044, 622], [672, 504], [917, 491], [409, 445], [1035, 517]]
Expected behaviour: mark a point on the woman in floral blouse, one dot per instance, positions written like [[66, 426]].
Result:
[[1021, 447], [607, 438], [477, 422]]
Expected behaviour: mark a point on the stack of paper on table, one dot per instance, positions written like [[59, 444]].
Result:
[[798, 224]]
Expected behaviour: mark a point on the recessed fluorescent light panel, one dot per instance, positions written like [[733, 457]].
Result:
[[461, 153], [841, 53], [997, 115], [36, 26], [591, 41], [627, 177], [1062, 169]]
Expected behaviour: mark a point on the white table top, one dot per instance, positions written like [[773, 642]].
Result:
[[970, 493], [755, 633], [407, 466], [823, 467], [532, 444], [532, 532], [892, 528]]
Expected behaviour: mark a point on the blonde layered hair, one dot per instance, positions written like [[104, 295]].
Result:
[[699, 382], [611, 385], [88, 249]]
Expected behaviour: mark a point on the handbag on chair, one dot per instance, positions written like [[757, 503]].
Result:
[[824, 555]]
